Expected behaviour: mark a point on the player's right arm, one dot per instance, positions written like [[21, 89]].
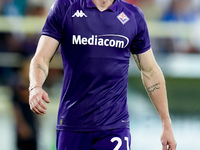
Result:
[[38, 73]]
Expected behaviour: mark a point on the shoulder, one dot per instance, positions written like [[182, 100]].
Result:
[[63, 3], [136, 11], [66, 2], [60, 7]]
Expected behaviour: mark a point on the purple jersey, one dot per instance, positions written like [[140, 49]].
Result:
[[95, 48]]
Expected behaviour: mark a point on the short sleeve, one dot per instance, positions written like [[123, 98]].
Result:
[[141, 42], [53, 25]]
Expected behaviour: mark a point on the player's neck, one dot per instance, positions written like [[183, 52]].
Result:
[[103, 4]]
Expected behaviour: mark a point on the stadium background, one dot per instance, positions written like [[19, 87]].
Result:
[[175, 33]]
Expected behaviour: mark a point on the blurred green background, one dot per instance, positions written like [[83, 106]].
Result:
[[183, 94]]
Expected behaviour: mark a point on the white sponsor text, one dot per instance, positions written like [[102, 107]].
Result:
[[100, 41]]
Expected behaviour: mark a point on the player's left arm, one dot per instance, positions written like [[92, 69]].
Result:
[[154, 82]]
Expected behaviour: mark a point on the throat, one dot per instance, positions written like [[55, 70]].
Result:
[[103, 5]]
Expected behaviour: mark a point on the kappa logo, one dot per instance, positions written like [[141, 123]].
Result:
[[79, 13], [123, 18]]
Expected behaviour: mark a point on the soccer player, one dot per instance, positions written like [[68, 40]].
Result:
[[97, 38]]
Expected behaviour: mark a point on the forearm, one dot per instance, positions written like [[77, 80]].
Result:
[[39, 68], [154, 83]]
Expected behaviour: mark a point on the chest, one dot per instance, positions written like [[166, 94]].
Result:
[[107, 27]]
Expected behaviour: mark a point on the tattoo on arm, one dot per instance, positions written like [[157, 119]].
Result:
[[137, 60], [40, 67], [154, 87]]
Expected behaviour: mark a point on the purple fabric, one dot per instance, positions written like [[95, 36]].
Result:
[[100, 140], [95, 47]]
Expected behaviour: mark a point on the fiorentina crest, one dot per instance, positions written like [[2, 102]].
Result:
[[123, 18]]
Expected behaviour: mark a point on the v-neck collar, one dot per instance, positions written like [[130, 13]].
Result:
[[113, 7]]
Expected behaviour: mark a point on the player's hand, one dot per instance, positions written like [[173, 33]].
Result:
[[167, 139], [37, 97]]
